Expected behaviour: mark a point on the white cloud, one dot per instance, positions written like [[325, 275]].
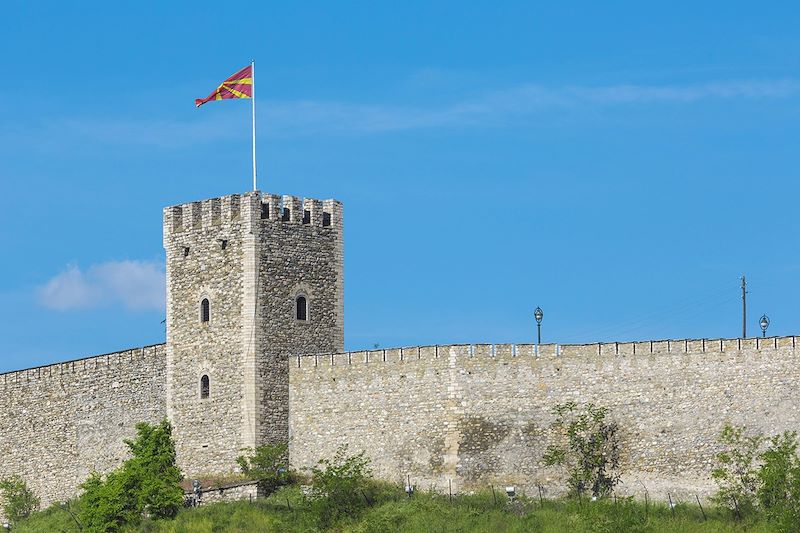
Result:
[[136, 285], [68, 290]]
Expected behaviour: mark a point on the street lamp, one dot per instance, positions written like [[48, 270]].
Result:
[[764, 323], [538, 314]]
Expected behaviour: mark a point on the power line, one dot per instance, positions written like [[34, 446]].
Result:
[[691, 307]]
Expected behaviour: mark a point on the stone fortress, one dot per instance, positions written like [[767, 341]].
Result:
[[254, 355]]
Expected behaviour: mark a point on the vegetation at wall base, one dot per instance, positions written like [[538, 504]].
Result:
[[146, 485], [590, 448], [269, 464], [288, 510], [759, 482], [16, 499], [340, 486], [754, 479]]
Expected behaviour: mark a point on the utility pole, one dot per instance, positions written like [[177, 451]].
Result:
[[744, 308]]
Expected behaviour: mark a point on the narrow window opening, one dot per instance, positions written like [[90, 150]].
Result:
[[302, 308], [205, 310], [264, 210], [185, 251], [326, 219], [205, 387], [286, 214], [223, 243], [306, 217]]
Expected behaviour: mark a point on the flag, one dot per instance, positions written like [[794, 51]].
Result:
[[240, 85]]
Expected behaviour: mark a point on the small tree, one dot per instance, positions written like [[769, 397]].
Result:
[[338, 485], [147, 484], [269, 464], [154, 475], [18, 501], [106, 504], [590, 448], [736, 473], [779, 480]]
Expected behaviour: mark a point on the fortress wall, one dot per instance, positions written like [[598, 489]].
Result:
[[60, 422], [479, 415]]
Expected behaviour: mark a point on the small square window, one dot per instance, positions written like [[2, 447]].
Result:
[[185, 251], [223, 243]]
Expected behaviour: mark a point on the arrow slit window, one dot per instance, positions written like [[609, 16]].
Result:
[[205, 310], [302, 308]]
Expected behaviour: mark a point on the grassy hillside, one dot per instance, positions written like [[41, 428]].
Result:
[[391, 510]]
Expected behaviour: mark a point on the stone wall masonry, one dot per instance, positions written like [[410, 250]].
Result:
[[63, 421], [480, 414], [298, 254], [208, 431]]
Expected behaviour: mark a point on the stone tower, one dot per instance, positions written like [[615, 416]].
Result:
[[251, 279]]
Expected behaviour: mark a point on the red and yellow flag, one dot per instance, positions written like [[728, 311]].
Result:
[[240, 85]]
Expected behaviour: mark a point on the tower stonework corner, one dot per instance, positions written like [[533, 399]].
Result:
[[237, 267]]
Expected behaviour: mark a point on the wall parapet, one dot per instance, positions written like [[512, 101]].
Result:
[[90, 363], [228, 209], [617, 349]]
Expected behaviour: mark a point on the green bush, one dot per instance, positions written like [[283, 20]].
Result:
[[269, 464], [591, 451], [736, 473], [779, 481], [339, 485], [18, 501], [60, 517], [147, 484], [752, 481]]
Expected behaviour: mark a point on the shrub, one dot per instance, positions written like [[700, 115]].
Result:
[[736, 473], [779, 481], [269, 464], [591, 453], [339, 484], [147, 484], [18, 501]]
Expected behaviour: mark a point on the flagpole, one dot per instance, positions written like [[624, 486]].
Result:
[[253, 98]]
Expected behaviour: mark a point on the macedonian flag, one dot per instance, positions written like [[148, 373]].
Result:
[[240, 85]]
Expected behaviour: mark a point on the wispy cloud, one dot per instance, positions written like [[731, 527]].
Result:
[[136, 285], [499, 106], [308, 117]]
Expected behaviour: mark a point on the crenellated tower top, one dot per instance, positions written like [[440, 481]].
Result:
[[232, 208]]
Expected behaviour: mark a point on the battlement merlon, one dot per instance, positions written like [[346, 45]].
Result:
[[756, 346], [232, 208]]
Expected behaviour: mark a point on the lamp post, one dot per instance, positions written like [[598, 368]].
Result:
[[764, 323], [538, 314]]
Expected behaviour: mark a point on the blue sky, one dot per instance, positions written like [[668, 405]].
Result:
[[619, 164]]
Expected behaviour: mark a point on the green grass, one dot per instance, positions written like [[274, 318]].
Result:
[[391, 510]]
